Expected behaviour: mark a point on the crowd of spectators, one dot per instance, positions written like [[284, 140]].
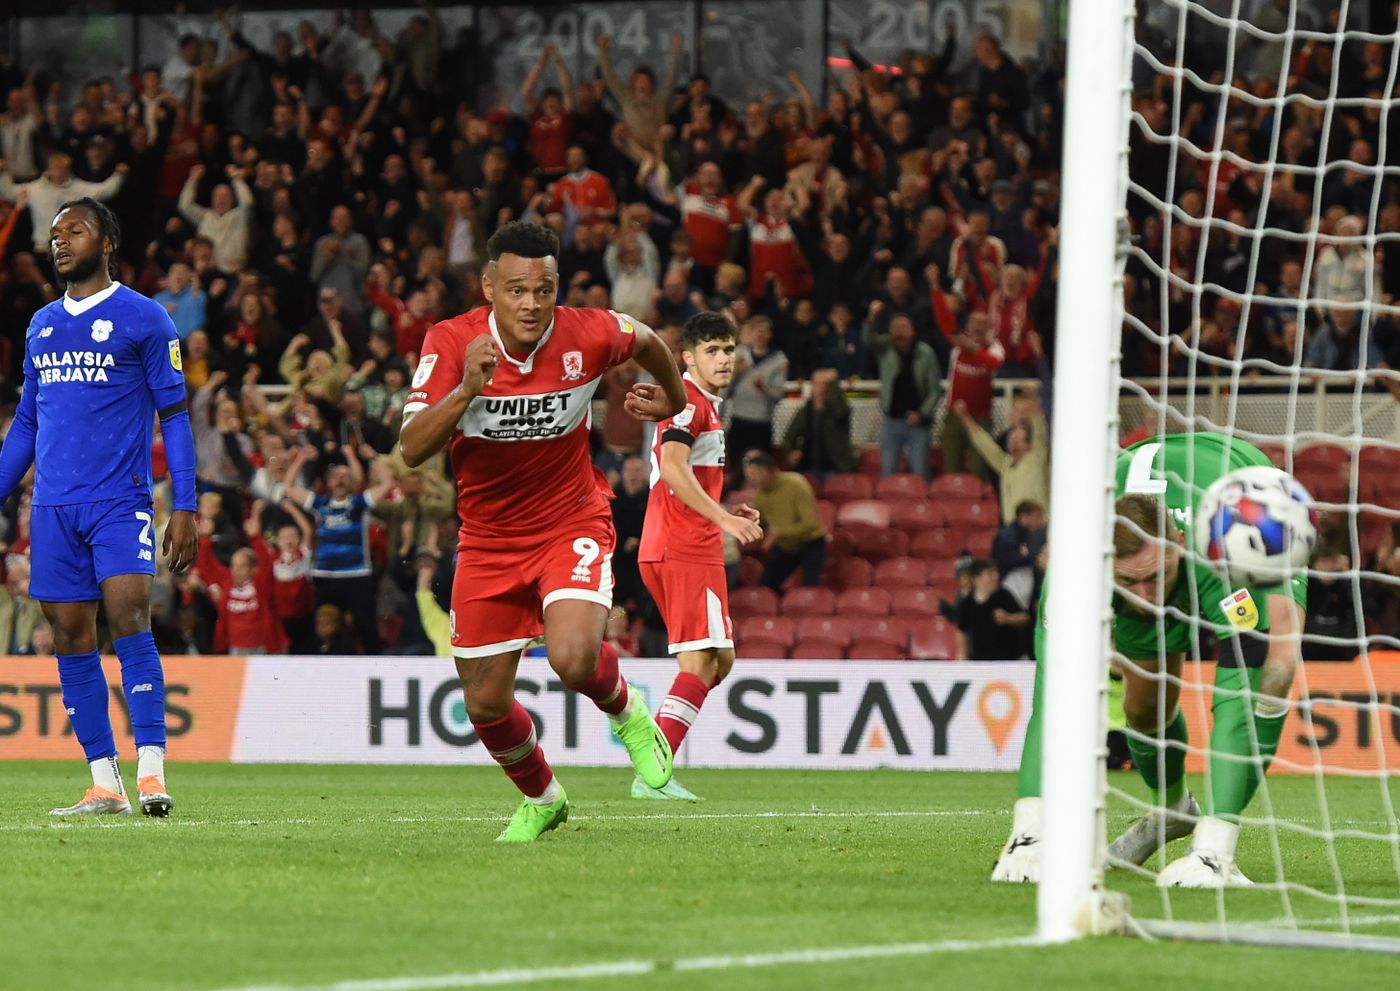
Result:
[[306, 213]]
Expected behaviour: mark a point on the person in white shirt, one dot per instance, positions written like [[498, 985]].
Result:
[[54, 188], [226, 220]]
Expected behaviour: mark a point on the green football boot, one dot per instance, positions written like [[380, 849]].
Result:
[[531, 820], [645, 743], [674, 791]]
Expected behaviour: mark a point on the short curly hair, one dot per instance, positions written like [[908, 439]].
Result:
[[520, 237]]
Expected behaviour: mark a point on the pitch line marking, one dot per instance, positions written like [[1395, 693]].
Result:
[[123, 822], [638, 968], [1283, 922]]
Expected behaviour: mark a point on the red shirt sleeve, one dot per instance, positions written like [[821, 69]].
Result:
[[439, 368], [620, 335], [691, 421]]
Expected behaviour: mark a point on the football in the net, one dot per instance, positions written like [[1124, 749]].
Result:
[[1257, 525]]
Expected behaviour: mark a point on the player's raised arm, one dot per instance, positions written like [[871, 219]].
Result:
[[667, 398]]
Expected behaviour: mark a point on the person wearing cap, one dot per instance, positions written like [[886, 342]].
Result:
[[794, 536]]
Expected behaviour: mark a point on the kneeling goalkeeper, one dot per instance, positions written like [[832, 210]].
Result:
[[1161, 596]]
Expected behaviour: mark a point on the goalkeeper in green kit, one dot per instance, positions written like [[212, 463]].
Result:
[[1161, 594]]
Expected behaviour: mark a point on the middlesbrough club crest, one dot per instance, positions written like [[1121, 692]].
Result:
[[573, 365]]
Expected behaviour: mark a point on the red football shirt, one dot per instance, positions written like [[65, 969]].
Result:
[[589, 191], [549, 140], [520, 453], [973, 378], [773, 249], [672, 530], [293, 594], [709, 220]]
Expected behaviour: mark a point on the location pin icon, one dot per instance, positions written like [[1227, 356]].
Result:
[[999, 706]]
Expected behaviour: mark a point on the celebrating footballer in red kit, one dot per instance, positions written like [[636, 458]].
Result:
[[682, 551], [509, 387]]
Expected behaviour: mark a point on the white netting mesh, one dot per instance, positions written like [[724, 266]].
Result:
[[1262, 299]]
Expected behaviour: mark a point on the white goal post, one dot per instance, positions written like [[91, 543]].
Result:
[[1357, 895], [1088, 316]]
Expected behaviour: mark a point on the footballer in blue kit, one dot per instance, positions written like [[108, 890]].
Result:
[[101, 364]]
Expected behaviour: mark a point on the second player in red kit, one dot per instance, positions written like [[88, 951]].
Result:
[[682, 551], [509, 387]]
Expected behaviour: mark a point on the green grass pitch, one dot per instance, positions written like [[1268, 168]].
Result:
[[306, 876]]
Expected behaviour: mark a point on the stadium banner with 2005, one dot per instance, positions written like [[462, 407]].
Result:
[[809, 714]]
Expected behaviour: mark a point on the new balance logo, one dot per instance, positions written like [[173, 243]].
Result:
[[1017, 842], [146, 687], [1210, 862]]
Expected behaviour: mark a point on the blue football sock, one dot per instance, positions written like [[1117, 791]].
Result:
[[144, 684], [85, 698]]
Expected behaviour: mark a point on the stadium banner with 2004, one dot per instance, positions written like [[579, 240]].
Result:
[[816, 714]]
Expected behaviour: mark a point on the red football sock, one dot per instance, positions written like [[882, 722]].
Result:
[[512, 742], [681, 708], [606, 688]]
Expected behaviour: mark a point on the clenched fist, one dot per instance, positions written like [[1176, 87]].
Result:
[[479, 364]]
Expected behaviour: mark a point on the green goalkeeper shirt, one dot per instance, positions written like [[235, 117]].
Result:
[[1178, 468]]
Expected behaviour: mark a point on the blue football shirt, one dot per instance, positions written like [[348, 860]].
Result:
[[96, 372]]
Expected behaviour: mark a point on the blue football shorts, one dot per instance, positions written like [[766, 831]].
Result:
[[74, 549]]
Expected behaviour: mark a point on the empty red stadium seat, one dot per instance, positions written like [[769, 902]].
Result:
[[1320, 455], [936, 640], [876, 650], [758, 648], [1371, 531], [979, 542], [945, 589], [870, 461], [943, 571], [956, 486], [779, 629], [863, 512], [1274, 452], [917, 516], [966, 515], [1378, 459], [750, 571], [756, 601], [848, 572], [901, 572], [884, 544], [914, 603], [808, 601], [818, 649], [826, 512], [839, 629], [1379, 482], [848, 487], [903, 486], [890, 631], [936, 543], [1325, 483], [863, 602]]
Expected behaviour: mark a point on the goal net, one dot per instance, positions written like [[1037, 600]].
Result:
[[1238, 232]]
